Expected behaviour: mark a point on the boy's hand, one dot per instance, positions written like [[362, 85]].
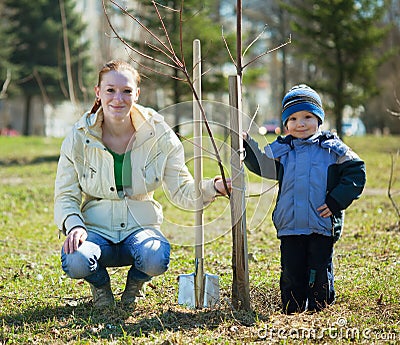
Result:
[[325, 212]]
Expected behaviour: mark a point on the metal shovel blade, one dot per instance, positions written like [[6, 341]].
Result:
[[187, 296], [186, 290], [211, 290]]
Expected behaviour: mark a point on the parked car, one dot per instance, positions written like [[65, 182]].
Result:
[[353, 127], [270, 126]]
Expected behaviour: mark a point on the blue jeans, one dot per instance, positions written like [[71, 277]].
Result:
[[147, 251]]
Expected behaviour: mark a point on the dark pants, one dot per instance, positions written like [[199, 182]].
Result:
[[307, 273]]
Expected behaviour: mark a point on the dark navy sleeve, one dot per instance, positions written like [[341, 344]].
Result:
[[258, 162], [350, 182]]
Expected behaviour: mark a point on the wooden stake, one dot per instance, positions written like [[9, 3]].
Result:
[[240, 283]]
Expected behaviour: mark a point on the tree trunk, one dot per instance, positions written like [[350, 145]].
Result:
[[177, 95], [240, 268], [339, 99], [282, 30], [338, 109], [27, 116]]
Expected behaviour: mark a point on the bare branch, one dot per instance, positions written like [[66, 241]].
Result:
[[181, 33], [154, 70], [397, 98], [392, 112], [81, 85], [224, 142], [227, 46], [269, 51], [391, 182], [210, 134], [46, 98], [67, 54], [166, 7], [202, 73], [205, 72], [158, 49], [3, 92], [171, 47], [193, 143], [254, 116], [239, 41], [144, 27], [255, 40], [263, 192], [127, 44]]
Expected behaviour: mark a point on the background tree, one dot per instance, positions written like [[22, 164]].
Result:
[[7, 70], [388, 80], [338, 40], [39, 51]]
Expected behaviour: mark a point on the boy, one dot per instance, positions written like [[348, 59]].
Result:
[[319, 177]]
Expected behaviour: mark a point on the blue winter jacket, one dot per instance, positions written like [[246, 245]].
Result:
[[310, 172]]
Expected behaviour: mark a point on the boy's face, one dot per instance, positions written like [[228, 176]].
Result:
[[302, 124]]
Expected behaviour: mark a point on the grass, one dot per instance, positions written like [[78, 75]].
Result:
[[40, 305]]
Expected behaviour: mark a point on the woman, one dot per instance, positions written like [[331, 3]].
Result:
[[110, 164]]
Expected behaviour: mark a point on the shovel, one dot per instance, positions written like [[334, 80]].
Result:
[[198, 289]]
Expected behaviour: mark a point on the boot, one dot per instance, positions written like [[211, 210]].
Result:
[[102, 296], [132, 290]]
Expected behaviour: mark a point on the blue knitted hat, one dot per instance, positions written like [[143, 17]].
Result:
[[302, 97]]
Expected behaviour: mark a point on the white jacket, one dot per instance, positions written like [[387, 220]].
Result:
[[85, 191]]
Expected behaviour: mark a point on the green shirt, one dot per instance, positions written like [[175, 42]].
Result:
[[122, 169]]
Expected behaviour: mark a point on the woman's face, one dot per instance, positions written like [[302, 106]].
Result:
[[118, 91], [302, 124]]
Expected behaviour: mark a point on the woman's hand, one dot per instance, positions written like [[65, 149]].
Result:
[[220, 188], [74, 239], [324, 210]]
